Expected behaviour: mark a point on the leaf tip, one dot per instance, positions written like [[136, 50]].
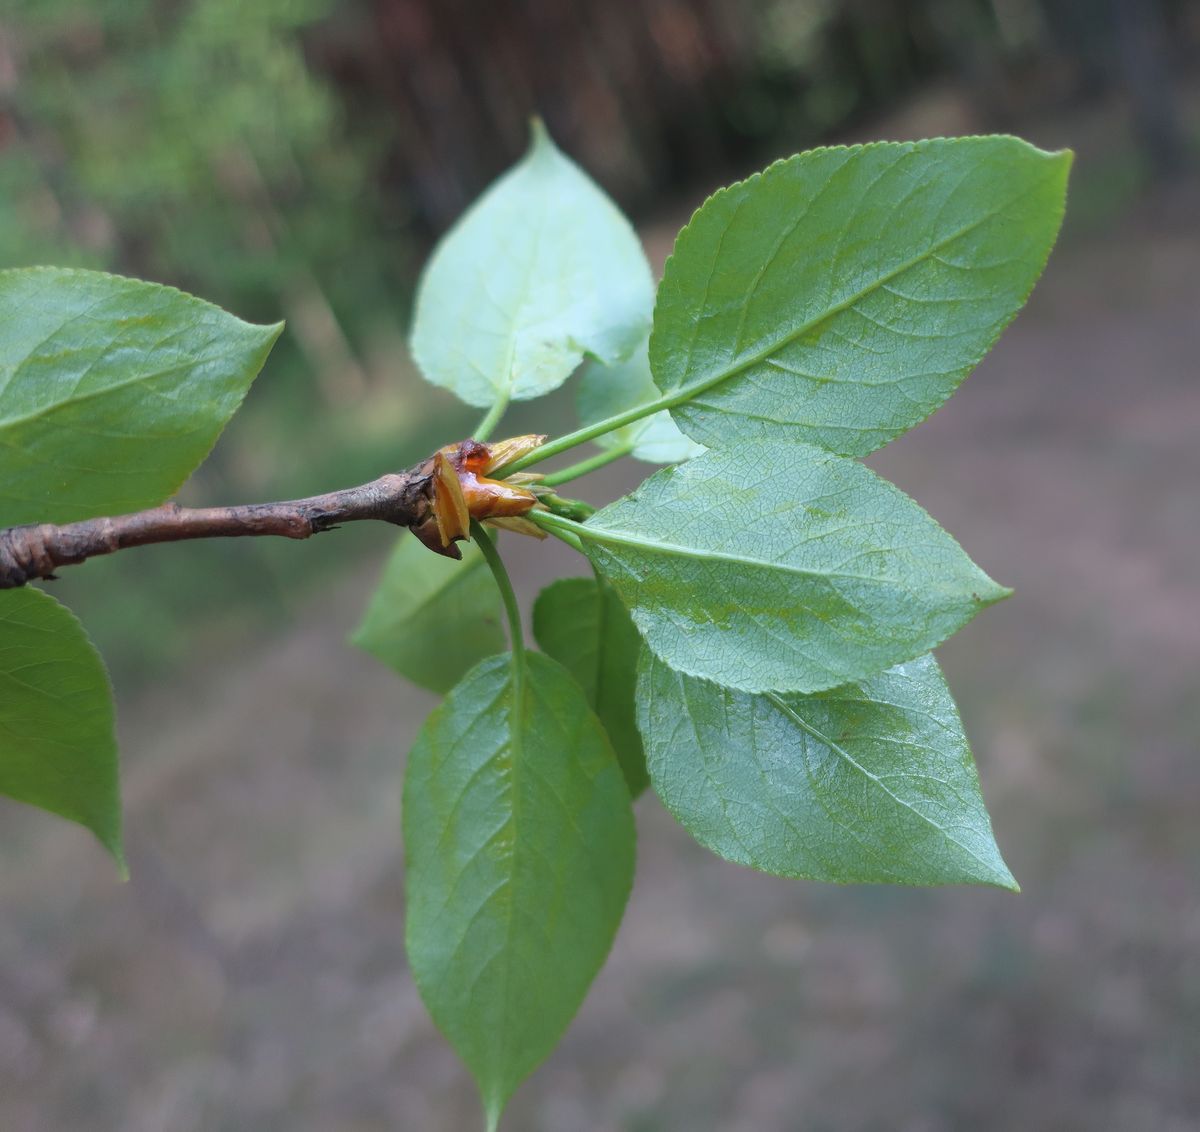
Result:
[[539, 136], [1003, 878], [991, 593], [268, 334], [116, 851], [991, 870]]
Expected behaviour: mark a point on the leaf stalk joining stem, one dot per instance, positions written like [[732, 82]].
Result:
[[574, 471], [511, 609]]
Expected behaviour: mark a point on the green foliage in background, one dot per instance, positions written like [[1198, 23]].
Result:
[[191, 144], [755, 637]]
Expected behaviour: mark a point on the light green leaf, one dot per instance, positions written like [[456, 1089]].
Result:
[[542, 270], [769, 567], [584, 626], [604, 391], [870, 782], [841, 296], [519, 840], [57, 748], [111, 390], [432, 618]]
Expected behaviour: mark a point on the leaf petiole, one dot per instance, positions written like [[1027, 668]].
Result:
[[558, 526], [511, 609], [590, 432], [574, 471], [492, 417], [572, 540]]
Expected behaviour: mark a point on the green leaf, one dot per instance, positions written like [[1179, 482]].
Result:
[[604, 391], [769, 567], [57, 748], [542, 270], [519, 840], [111, 390], [584, 626], [870, 782], [432, 618], [841, 296]]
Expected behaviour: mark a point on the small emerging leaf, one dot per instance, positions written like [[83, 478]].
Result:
[[519, 844], [112, 390], [783, 567], [462, 490], [842, 295], [585, 628], [57, 748], [432, 618], [605, 391], [542, 270], [870, 782], [449, 504]]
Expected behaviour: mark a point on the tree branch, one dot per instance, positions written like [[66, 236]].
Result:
[[36, 551]]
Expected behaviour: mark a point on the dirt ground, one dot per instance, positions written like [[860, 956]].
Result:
[[252, 974]]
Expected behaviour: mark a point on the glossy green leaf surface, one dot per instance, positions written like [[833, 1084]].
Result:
[[604, 391], [519, 841], [869, 782], [542, 270], [841, 295], [782, 567], [111, 390], [57, 748], [588, 631], [431, 618]]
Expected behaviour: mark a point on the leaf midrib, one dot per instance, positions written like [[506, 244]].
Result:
[[8, 423], [516, 753], [626, 538], [785, 709], [689, 390]]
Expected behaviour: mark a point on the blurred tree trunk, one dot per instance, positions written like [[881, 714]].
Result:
[[1145, 65]]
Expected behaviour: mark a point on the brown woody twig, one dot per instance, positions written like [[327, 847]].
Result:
[[37, 550], [437, 498]]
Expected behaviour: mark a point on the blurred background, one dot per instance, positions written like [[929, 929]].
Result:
[[297, 159]]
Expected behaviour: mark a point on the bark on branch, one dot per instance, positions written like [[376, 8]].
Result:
[[438, 498], [36, 551]]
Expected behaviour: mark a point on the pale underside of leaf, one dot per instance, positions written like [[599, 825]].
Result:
[[869, 782], [541, 271], [841, 296], [519, 842], [771, 567]]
